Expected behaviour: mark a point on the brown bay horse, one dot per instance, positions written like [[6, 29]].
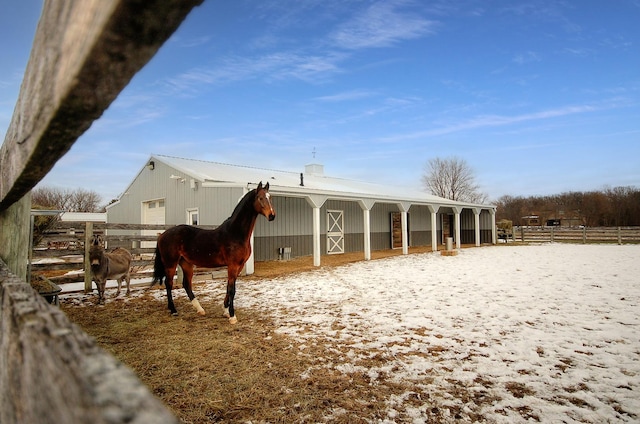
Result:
[[227, 245]]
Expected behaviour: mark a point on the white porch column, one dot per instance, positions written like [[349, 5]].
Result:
[[367, 234], [404, 209], [457, 210], [492, 211], [434, 226], [366, 205], [250, 266], [476, 215], [316, 237], [316, 203]]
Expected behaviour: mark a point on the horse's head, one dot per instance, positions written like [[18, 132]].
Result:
[[262, 203]]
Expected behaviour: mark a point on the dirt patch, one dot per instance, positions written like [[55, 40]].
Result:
[[206, 370]]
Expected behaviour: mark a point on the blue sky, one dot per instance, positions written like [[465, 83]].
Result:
[[539, 97]]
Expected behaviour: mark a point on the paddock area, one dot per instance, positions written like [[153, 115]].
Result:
[[506, 333]]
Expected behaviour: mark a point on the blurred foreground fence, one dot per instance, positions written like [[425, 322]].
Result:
[[619, 235], [84, 53]]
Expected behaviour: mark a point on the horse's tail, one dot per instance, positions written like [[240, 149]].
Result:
[[159, 273]]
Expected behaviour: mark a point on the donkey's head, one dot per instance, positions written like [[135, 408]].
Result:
[[96, 252]]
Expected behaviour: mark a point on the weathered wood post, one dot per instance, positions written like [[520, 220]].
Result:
[[584, 234], [619, 235], [88, 235], [14, 236]]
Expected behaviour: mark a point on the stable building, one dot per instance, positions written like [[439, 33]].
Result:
[[315, 214]]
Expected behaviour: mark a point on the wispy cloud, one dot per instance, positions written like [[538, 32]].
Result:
[[526, 57], [381, 25], [484, 121], [579, 52], [307, 67], [346, 96]]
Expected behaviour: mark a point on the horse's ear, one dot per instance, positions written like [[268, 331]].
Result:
[[259, 186], [266, 187]]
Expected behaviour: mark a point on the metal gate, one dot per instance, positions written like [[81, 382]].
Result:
[[335, 232]]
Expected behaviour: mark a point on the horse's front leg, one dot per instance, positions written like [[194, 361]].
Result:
[[229, 310], [187, 278]]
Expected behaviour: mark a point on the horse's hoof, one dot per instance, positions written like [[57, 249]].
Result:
[[225, 313], [174, 314], [233, 320], [202, 313]]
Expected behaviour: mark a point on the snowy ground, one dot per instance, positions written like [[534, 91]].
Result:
[[548, 332]]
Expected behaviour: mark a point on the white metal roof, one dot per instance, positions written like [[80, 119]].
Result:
[[288, 182]]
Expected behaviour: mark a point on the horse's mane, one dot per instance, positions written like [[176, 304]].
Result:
[[249, 197]]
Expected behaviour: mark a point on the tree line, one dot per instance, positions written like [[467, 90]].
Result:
[[453, 178], [609, 207]]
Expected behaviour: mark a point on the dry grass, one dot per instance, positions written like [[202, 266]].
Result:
[[206, 370]]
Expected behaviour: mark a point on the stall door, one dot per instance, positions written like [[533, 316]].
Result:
[[396, 230], [335, 232]]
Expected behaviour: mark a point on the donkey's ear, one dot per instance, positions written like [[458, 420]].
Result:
[[266, 187]]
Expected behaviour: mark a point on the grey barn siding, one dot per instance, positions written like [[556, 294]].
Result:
[[219, 187], [420, 225], [293, 227], [214, 204], [467, 227]]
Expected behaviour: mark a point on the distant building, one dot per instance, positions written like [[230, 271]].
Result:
[[531, 221], [84, 216], [315, 214]]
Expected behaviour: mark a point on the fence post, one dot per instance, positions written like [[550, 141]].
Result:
[[552, 228], [522, 233], [584, 234], [619, 235], [88, 235]]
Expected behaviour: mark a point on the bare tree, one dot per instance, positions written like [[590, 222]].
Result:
[[452, 178], [78, 200]]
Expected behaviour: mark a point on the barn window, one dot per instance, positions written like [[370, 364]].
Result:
[[192, 216]]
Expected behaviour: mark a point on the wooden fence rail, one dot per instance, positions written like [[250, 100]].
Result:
[[619, 235], [67, 242]]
